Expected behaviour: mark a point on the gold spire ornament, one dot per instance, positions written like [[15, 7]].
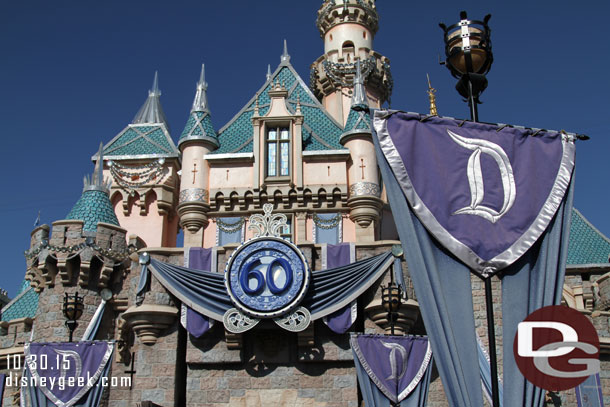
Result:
[[432, 97]]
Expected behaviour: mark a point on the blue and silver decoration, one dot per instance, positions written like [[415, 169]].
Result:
[[267, 277]]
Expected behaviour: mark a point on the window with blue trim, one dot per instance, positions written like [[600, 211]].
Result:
[[327, 228], [229, 230], [278, 152]]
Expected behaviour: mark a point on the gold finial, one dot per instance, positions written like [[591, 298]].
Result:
[[432, 97]]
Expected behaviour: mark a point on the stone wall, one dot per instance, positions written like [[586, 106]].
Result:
[[271, 370]]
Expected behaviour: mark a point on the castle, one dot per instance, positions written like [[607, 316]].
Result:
[[306, 148]]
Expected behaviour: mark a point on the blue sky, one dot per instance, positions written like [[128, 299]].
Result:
[[73, 74]]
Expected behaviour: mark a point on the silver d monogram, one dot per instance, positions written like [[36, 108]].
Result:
[[395, 347], [475, 177]]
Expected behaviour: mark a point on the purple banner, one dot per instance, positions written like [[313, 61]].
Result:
[[65, 372], [2, 380], [338, 255], [589, 393], [396, 364], [197, 258], [486, 194]]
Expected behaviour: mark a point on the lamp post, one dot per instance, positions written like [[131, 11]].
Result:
[[73, 309], [469, 57], [391, 301]]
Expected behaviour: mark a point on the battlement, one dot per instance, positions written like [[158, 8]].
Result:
[[334, 12]]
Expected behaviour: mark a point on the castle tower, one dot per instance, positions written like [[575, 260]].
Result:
[[197, 139], [348, 28], [143, 164], [363, 177]]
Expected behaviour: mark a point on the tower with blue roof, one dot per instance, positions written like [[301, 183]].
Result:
[[198, 139], [143, 163]]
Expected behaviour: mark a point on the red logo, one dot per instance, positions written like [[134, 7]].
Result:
[[556, 348]]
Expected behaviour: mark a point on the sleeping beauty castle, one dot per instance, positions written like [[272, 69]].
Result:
[[292, 271]]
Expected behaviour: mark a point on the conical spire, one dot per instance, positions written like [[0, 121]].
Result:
[[359, 101], [96, 181], [200, 104], [358, 120], [151, 111], [285, 58], [199, 125], [268, 72]]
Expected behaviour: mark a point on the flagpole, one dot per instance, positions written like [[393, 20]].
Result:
[[491, 333], [491, 328]]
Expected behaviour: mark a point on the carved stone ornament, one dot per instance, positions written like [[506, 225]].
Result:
[[268, 224], [149, 320], [297, 321], [193, 195], [236, 322], [364, 189]]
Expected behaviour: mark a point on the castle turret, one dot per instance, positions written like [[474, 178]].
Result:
[[94, 205], [143, 164], [197, 139], [363, 177], [348, 28]]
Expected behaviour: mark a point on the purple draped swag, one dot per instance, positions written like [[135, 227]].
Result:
[[67, 374], [392, 369], [472, 197], [335, 256]]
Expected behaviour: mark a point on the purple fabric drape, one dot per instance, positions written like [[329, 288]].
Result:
[[2, 379], [336, 256], [589, 393], [196, 324]]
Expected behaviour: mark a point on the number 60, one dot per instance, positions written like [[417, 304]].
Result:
[[250, 272]]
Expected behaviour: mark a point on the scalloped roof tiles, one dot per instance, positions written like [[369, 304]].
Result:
[[198, 124], [357, 120], [320, 130], [23, 306], [147, 139], [587, 244], [93, 206]]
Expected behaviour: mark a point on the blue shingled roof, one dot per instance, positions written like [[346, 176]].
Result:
[[23, 306], [587, 244], [199, 126], [320, 130], [142, 140], [357, 121], [93, 206]]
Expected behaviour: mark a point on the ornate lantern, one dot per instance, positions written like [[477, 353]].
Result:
[[73, 309], [469, 57]]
